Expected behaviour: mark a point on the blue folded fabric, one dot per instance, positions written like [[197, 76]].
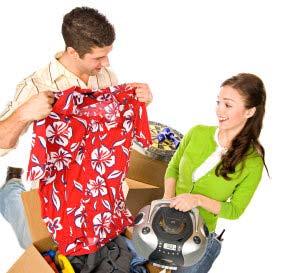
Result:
[[137, 264]]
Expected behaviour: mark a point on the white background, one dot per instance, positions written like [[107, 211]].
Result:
[[183, 50]]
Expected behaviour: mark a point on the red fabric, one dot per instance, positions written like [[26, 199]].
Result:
[[80, 153]]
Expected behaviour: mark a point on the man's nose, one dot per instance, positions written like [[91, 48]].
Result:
[[105, 62]]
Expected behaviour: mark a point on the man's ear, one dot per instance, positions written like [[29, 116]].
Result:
[[251, 112], [72, 52]]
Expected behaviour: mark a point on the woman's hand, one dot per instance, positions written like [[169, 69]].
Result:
[[185, 202]]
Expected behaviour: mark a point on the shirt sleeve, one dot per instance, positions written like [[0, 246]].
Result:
[[172, 170], [142, 131], [24, 91], [244, 192], [38, 154]]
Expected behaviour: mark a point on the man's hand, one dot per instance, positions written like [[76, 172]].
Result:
[[37, 107], [142, 91], [185, 202]]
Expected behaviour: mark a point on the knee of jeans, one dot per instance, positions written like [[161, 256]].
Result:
[[217, 245], [13, 190], [24, 240], [24, 245]]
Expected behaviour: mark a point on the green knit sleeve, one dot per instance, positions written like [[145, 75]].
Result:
[[173, 166], [243, 193]]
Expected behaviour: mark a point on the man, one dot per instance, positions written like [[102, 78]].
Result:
[[88, 40]]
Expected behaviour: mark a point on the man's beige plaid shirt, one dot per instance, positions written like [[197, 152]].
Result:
[[53, 77]]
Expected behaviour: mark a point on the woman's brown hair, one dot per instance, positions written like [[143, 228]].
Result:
[[252, 89]]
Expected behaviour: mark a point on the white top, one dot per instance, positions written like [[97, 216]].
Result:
[[211, 161]]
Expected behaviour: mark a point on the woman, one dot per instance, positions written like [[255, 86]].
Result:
[[217, 169]]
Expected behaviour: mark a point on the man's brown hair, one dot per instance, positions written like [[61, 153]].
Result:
[[84, 28]]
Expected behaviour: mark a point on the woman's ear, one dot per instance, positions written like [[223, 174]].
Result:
[[251, 112]]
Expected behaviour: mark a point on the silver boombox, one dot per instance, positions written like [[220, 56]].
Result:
[[169, 238]]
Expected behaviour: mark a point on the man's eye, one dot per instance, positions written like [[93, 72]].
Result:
[[228, 105]]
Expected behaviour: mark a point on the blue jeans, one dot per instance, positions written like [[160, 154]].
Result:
[[11, 207], [137, 263], [203, 266]]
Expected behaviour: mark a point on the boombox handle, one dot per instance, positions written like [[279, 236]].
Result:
[[156, 204]]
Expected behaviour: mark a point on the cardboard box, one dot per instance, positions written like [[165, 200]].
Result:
[[145, 184], [147, 175], [147, 170], [141, 194], [32, 261]]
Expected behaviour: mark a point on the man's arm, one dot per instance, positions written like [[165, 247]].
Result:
[[37, 107], [10, 130]]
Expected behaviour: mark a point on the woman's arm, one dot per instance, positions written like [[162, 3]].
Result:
[[169, 188], [209, 204], [172, 171], [237, 203], [243, 193], [187, 201]]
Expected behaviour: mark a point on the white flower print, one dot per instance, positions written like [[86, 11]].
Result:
[[100, 158], [80, 216], [59, 132], [95, 126], [78, 98], [36, 173], [104, 97], [119, 207], [111, 112], [33, 137], [60, 159], [53, 225], [101, 224], [128, 123], [110, 125], [80, 154], [97, 187]]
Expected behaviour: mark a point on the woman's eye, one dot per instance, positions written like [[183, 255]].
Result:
[[228, 105], [217, 102]]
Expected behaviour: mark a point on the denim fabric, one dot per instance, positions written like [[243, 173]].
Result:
[[137, 262], [11, 207], [203, 266]]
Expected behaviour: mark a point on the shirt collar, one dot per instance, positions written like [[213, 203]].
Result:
[[56, 69], [219, 147]]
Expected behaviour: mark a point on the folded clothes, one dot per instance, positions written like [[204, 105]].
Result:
[[113, 257]]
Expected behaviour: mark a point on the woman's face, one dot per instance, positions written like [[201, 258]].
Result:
[[230, 109]]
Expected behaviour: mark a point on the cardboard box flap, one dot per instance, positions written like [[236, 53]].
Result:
[[140, 195], [32, 205], [145, 169], [133, 184], [45, 244], [31, 262]]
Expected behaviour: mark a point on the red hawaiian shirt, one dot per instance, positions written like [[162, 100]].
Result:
[[80, 154]]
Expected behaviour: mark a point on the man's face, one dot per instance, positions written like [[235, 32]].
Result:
[[91, 63]]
